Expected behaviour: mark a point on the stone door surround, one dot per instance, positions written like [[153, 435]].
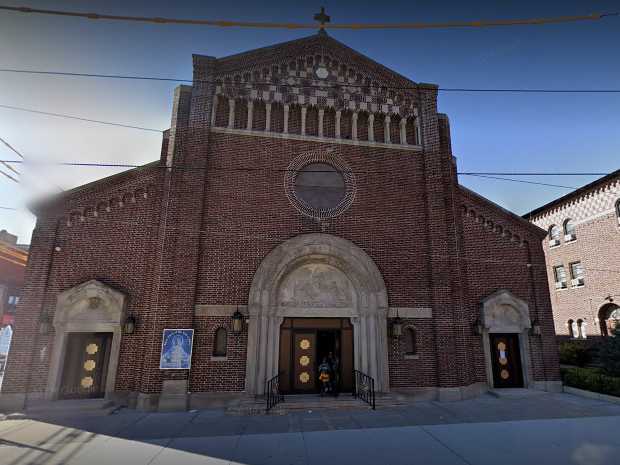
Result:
[[90, 307], [502, 312], [317, 275]]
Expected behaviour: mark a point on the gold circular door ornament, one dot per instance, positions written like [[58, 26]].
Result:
[[504, 374], [501, 346], [92, 349], [304, 344], [89, 365], [304, 360], [503, 360], [87, 382], [304, 377]]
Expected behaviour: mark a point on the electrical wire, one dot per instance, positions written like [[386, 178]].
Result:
[[323, 25], [305, 86], [9, 176], [79, 118], [522, 181], [8, 208]]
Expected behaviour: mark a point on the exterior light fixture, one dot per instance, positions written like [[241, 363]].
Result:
[[536, 328], [130, 325], [397, 326], [477, 327], [44, 323], [237, 321]]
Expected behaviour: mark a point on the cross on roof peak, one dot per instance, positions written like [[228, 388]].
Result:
[[322, 18]]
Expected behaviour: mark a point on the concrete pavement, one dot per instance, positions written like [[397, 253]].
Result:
[[550, 429]]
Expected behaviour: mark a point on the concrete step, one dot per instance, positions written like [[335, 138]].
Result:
[[69, 407]]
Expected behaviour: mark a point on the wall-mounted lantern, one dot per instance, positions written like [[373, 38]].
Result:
[[130, 325], [477, 327], [44, 322], [237, 321], [535, 328], [397, 326]]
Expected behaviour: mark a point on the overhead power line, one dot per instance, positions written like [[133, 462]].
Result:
[[9, 176], [79, 118], [292, 25], [521, 181], [8, 208], [310, 86]]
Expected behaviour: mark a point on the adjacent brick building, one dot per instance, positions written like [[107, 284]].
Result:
[[582, 249], [305, 202]]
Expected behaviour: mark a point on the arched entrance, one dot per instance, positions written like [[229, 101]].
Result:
[[609, 318], [317, 276]]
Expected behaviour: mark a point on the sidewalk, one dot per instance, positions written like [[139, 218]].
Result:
[[550, 429]]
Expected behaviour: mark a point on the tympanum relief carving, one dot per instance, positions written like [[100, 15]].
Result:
[[316, 285]]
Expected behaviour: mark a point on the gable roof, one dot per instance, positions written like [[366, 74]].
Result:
[[316, 44]]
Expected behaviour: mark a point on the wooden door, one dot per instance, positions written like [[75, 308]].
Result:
[[86, 365], [506, 360], [304, 362]]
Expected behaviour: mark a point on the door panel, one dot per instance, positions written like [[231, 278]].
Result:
[[304, 361], [346, 359], [85, 366], [506, 360]]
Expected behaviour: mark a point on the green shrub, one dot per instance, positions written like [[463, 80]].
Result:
[[591, 379], [609, 354], [574, 353]]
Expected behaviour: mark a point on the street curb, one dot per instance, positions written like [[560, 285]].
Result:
[[591, 395]]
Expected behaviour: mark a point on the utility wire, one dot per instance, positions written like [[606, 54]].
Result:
[[323, 25], [8, 208], [9, 176], [79, 118], [304, 86], [522, 181], [489, 175]]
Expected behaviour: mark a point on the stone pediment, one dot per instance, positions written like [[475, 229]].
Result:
[[91, 301], [503, 312], [316, 70]]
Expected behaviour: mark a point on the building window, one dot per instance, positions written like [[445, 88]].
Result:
[[559, 273], [220, 346], [410, 342], [554, 235], [569, 323], [618, 210], [569, 231], [13, 300], [576, 274], [581, 329]]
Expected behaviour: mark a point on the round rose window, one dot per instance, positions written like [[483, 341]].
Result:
[[320, 185]]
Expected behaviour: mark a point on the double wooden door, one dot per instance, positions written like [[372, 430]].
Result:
[[506, 360], [86, 365]]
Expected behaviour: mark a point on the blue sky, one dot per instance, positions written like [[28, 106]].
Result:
[[490, 132]]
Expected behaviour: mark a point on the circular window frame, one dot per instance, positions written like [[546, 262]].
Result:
[[339, 165]]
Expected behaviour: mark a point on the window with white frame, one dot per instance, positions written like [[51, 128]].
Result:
[[569, 324], [569, 231], [554, 235], [576, 274], [559, 274]]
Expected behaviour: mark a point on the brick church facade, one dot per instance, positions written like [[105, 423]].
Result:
[[312, 191]]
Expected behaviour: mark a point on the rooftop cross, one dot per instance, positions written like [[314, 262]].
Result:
[[322, 18]]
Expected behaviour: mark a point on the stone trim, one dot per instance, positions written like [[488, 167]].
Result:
[[329, 140], [410, 312]]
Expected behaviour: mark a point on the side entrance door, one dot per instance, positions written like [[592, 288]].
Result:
[[506, 360], [86, 365], [304, 362]]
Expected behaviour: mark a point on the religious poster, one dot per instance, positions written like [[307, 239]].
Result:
[[176, 349]]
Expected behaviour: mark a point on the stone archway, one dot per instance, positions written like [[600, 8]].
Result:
[[608, 317], [503, 313], [317, 276], [91, 307]]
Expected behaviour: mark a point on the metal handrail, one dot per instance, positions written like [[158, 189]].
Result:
[[364, 388], [273, 395]]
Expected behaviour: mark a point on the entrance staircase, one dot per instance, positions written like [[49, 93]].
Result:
[[299, 403]]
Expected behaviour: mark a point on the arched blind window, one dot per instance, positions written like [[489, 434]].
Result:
[[220, 345], [410, 342], [569, 323], [581, 328]]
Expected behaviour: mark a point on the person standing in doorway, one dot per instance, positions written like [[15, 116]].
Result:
[[334, 363]]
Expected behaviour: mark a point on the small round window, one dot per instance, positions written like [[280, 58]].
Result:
[[320, 186]]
